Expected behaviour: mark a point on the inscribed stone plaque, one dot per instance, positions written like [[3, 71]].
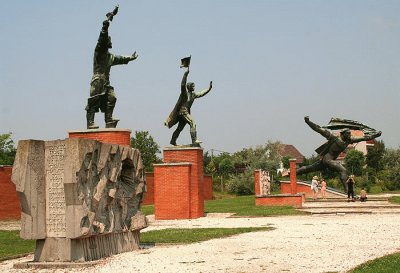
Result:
[[55, 205]]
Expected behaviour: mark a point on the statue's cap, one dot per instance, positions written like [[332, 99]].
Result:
[[185, 62]]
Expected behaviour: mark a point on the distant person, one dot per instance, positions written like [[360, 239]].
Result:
[[314, 187], [363, 195], [323, 188], [350, 188]]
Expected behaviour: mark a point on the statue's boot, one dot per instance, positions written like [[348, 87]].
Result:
[[90, 120], [110, 121], [195, 141]]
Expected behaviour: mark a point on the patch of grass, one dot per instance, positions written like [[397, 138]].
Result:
[[12, 245], [147, 209], [192, 235], [394, 199], [239, 205], [222, 195], [246, 206], [385, 264]]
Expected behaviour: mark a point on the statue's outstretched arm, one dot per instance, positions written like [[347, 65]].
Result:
[[116, 60], [318, 128], [203, 92], [365, 138]]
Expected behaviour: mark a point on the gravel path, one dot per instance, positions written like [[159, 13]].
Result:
[[318, 243]]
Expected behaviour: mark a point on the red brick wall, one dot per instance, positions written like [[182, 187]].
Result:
[[194, 156], [208, 192], [113, 136], [149, 194], [172, 191], [286, 189], [257, 182], [279, 200], [9, 208]]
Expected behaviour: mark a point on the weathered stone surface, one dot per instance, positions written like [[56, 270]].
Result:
[[74, 189]]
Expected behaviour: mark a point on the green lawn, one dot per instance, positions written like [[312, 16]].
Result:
[[246, 206], [386, 264], [192, 235], [11, 244], [394, 199], [240, 206]]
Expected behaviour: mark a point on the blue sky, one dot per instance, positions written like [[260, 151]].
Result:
[[271, 63]]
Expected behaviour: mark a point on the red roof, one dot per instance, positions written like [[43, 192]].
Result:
[[290, 150]]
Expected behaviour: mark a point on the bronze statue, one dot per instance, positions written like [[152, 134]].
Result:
[[336, 144], [181, 112], [102, 96]]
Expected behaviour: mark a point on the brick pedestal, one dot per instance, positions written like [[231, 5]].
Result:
[[178, 184], [293, 178], [105, 135], [207, 189]]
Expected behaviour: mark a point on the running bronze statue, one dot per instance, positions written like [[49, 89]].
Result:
[[181, 112], [329, 151], [102, 96]]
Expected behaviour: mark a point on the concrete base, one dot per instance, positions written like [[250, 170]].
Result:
[[85, 249], [295, 200]]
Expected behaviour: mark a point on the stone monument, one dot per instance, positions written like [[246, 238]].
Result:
[[80, 198]]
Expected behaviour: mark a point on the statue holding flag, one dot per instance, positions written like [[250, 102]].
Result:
[[102, 95], [335, 145], [181, 112]]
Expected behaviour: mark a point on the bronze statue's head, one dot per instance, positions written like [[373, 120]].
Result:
[[109, 42], [346, 134], [190, 86]]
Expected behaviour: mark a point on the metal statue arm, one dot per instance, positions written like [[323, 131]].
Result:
[[123, 59], [365, 138], [203, 92], [184, 80], [327, 134]]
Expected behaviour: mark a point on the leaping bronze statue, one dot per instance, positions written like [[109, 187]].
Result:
[[329, 151]]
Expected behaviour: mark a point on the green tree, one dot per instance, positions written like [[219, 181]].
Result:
[[390, 175], [354, 162], [7, 149], [149, 149], [375, 156]]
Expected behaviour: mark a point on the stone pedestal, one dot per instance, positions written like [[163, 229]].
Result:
[[178, 184], [105, 135]]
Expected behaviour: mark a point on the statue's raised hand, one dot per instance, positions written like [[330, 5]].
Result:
[[306, 118], [134, 56], [210, 85]]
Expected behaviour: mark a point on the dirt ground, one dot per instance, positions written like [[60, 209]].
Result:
[[311, 243]]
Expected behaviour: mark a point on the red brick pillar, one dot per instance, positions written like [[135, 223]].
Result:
[[149, 194], [105, 135], [174, 171], [293, 178], [257, 182], [207, 189]]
